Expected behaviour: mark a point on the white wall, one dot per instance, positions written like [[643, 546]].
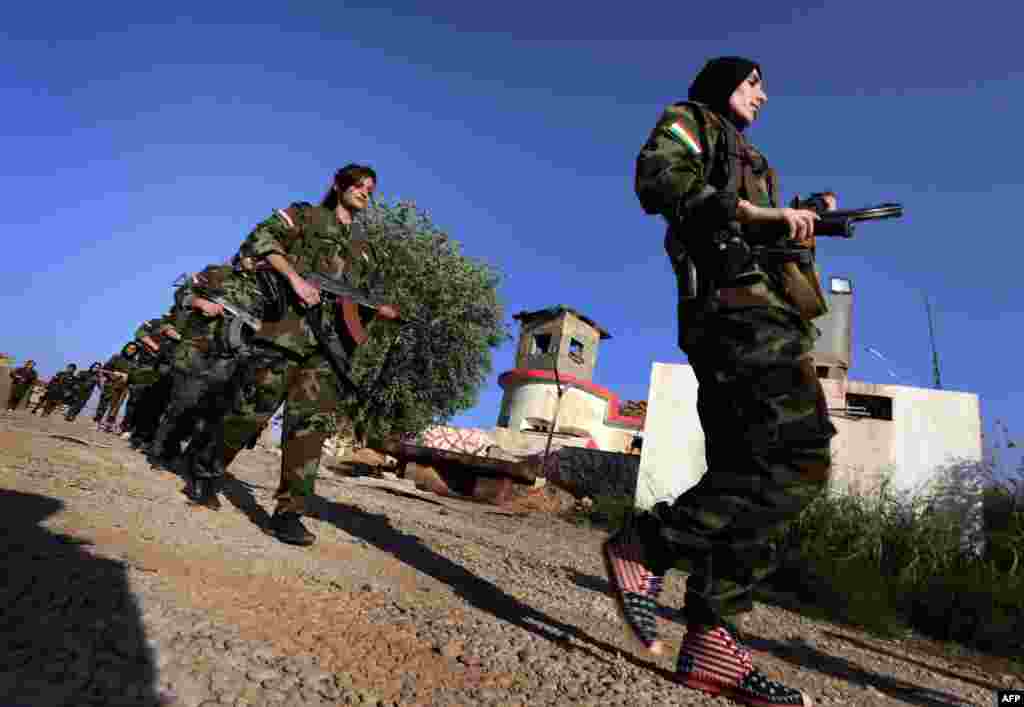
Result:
[[672, 459], [933, 429], [929, 430]]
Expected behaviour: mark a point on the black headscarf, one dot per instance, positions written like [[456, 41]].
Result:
[[718, 79]]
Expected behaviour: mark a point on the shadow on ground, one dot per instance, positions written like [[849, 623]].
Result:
[[71, 629], [377, 530]]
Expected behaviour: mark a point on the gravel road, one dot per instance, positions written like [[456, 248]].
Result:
[[117, 592]]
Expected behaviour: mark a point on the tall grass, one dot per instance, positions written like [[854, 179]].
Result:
[[945, 561]]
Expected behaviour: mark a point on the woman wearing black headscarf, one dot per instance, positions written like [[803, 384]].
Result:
[[744, 325]]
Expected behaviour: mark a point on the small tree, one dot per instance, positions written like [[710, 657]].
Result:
[[430, 366]]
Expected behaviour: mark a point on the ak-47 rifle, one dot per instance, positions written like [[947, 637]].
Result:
[[233, 336], [350, 298], [240, 313], [796, 263], [841, 223], [836, 223]]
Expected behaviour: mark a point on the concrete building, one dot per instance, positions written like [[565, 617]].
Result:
[[558, 349], [898, 432]]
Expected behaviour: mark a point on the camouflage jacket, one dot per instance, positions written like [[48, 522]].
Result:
[[312, 239], [122, 363], [674, 166], [24, 376], [236, 286]]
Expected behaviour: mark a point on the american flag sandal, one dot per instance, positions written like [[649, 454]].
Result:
[[634, 587], [710, 660]]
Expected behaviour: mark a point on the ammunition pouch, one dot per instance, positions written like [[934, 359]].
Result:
[[794, 268]]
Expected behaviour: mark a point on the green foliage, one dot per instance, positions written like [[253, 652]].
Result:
[[608, 512], [891, 561], [430, 367]]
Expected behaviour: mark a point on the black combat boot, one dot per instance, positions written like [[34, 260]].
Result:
[[202, 491], [165, 450], [288, 528]]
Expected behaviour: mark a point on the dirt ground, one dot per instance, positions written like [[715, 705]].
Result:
[[116, 591]]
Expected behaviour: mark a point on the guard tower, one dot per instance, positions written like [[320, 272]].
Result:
[[833, 352], [559, 334]]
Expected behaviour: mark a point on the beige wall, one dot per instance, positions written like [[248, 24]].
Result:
[[562, 329], [580, 412]]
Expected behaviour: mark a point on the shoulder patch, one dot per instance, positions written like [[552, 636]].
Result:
[[289, 221], [686, 136]]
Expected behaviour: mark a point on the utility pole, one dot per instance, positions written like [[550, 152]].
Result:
[[935, 351], [554, 418]]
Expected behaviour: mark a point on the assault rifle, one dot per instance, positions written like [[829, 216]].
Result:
[[240, 313], [351, 298], [838, 224], [841, 223], [358, 296]]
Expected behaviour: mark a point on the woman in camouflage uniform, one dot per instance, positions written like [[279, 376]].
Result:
[[85, 382], [115, 385], [205, 359], [56, 390], [748, 338], [22, 380], [291, 365]]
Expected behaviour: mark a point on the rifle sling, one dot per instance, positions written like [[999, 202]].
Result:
[[334, 351]]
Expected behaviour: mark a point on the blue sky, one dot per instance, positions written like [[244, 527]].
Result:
[[140, 142]]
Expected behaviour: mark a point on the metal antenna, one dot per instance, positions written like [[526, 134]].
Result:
[[935, 351]]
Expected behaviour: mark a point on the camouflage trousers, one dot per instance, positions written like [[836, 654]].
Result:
[[18, 393], [307, 388], [150, 406], [135, 393], [50, 400], [77, 402], [111, 398], [767, 436], [196, 383]]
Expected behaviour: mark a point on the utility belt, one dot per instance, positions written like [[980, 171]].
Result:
[[731, 262]]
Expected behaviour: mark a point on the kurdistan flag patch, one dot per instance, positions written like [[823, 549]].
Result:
[[684, 136]]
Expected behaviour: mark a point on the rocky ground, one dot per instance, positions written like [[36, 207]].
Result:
[[115, 591]]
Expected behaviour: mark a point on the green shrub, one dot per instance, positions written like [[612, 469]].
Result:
[[892, 560]]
